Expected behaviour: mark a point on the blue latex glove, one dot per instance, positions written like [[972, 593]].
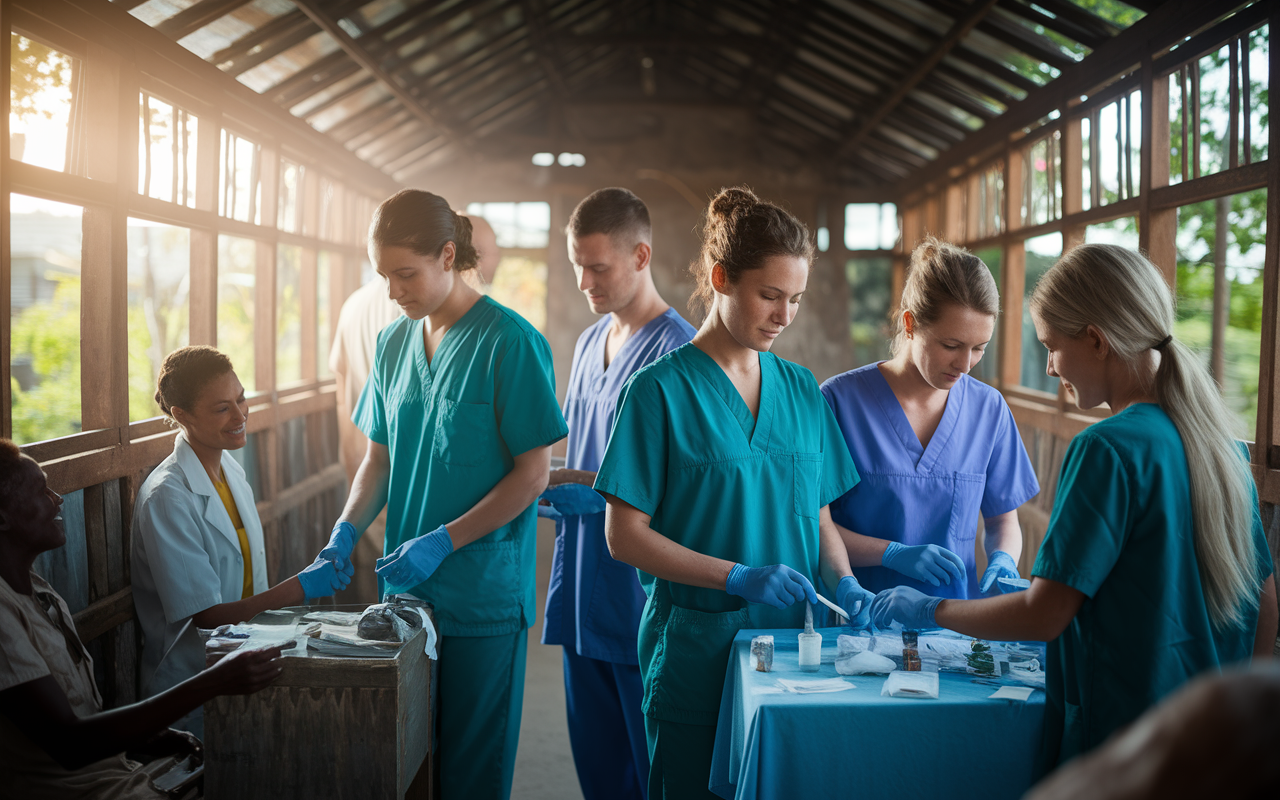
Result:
[[573, 500], [415, 560], [321, 579], [776, 585], [341, 542], [855, 601], [924, 562], [911, 608], [999, 565], [549, 512]]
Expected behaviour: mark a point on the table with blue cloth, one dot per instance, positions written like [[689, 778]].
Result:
[[856, 744]]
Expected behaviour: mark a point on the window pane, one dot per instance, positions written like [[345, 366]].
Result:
[[288, 315], [237, 282], [44, 293], [1123, 231], [42, 107], [988, 369], [862, 226], [1042, 190], [871, 289], [290, 202], [1112, 158], [166, 152], [520, 284], [241, 185], [524, 225], [159, 322], [1206, 84], [324, 329], [1222, 241], [1041, 253]]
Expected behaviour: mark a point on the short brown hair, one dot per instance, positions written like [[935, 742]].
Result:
[[740, 233], [616, 212], [940, 273], [185, 372]]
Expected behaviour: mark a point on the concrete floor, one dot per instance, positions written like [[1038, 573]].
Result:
[[544, 762]]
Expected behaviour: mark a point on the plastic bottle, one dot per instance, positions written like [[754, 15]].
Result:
[[810, 644]]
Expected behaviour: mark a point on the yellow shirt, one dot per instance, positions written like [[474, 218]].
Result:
[[229, 503]]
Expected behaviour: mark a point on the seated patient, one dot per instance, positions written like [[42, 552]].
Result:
[[56, 741]]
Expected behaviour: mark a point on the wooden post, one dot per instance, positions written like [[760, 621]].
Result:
[[1013, 263], [1072, 181], [308, 294], [1268, 431], [112, 87], [1157, 228], [953, 227], [204, 240], [6, 269]]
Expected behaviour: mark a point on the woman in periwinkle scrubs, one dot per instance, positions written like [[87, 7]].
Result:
[[460, 410], [934, 446], [718, 472]]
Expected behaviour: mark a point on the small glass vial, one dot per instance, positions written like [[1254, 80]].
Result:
[[810, 644], [910, 651], [762, 650]]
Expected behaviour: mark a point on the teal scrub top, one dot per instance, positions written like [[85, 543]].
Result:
[[686, 451], [1121, 533], [453, 428]]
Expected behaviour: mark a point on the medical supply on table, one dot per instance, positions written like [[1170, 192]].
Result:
[[815, 687], [810, 644], [980, 658], [1018, 693], [387, 622], [762, 652], [911, 651], [865, 663], [911, 684], [839, 611]]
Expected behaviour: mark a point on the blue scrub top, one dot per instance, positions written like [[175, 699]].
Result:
[[913, 495], [1122, 534], [453, 427], [686, 450], [594, 602]]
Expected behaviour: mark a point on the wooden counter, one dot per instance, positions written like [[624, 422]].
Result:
[[328, 728]]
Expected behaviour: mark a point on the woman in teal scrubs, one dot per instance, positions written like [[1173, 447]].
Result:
[[1155, 567], [460, 410], [718, 472]]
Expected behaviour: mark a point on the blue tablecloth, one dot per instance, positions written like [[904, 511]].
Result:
[[857, 744]]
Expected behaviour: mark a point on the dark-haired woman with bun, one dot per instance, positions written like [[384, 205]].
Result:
[[718, 472], [935, 447], [460, 411], [197, 551]]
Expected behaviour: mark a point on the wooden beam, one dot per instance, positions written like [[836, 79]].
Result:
[[312, 9], [1013, 264], [1117, 56], [105, 614], [196, 16], [958, 31]]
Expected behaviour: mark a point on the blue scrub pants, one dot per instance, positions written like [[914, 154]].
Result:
[[680, 760], [478, 718], [606, 727]]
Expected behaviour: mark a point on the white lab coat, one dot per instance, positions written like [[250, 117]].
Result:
[[186, 558]]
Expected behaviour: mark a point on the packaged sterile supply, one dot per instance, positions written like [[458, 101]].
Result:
[[387, 622], [762, 652], [923, 685], [810, 644], [864, 662]]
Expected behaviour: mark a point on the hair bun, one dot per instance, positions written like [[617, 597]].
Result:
[[734, 200]]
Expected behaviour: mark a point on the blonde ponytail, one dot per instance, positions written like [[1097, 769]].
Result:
[[1124, 295]]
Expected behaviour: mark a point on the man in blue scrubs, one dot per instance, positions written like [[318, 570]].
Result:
[[594, 602]]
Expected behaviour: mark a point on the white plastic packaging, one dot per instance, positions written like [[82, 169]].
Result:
[[919, 685]]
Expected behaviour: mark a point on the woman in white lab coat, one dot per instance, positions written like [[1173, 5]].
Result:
[[197, 550]]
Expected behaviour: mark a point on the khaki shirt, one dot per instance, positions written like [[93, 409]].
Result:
[[38, 638]]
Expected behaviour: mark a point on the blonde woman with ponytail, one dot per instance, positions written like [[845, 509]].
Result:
[[1155, 567]]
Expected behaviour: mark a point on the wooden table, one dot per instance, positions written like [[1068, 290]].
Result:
[[328, 728]]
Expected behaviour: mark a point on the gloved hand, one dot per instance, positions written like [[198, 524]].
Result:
[[573, 500], [855, 601], [341, 542], [549, 511], [322, 579], [776, 585], [913, 609], [924, 562], [1000, 565], [415, 560]]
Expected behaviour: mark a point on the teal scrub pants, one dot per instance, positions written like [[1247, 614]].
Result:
[[679, 760], [480, 699]]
